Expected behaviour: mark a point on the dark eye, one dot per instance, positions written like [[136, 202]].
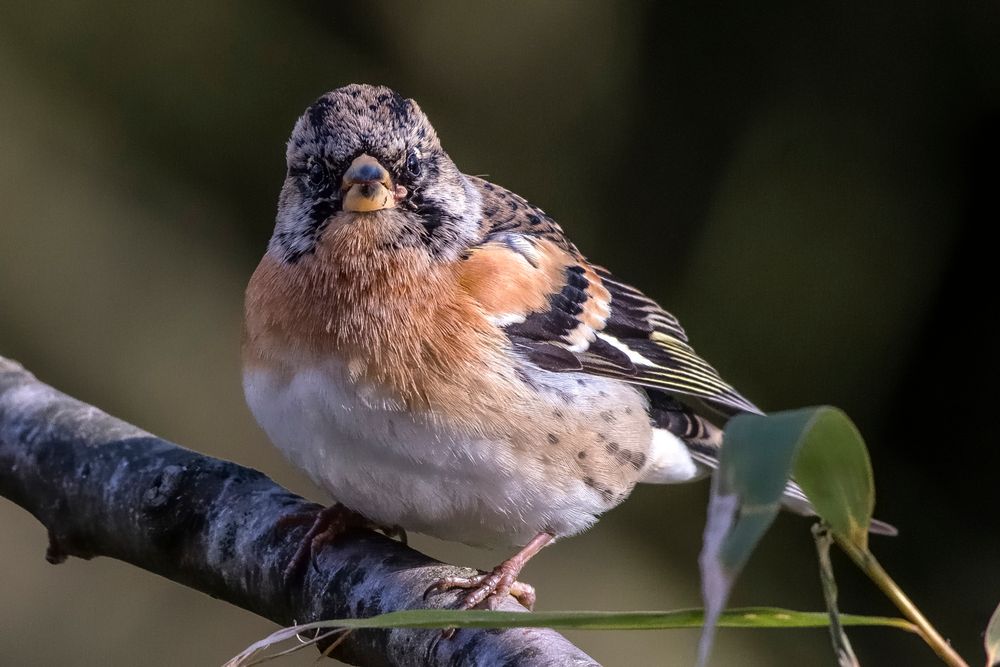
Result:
[[413, 163], [316, 172]]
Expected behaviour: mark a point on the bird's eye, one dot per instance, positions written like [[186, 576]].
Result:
[[316, 172], [413, 163]]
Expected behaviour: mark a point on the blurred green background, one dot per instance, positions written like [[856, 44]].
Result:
[[808, 186]]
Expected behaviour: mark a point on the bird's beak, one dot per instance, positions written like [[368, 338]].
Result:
[[368, 187]]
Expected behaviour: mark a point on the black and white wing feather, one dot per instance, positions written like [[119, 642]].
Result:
[[583, 318]]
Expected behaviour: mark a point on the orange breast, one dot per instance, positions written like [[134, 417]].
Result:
[[400, 319]]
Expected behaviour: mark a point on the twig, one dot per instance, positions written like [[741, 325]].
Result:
[[841, 644], [866, 561]]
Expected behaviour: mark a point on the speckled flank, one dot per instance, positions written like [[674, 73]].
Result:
[[515, 477]]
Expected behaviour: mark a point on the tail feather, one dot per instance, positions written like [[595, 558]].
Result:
[[704, 442]]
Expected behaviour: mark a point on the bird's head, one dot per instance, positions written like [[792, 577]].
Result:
[[364, 150]]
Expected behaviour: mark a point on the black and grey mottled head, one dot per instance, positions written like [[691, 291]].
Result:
[[442, 208]]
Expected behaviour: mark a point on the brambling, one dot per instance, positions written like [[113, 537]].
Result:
[[433, 351]]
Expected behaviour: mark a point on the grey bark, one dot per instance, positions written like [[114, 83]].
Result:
[[103, 487]]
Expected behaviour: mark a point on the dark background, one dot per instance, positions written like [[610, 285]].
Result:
[[810, 188]]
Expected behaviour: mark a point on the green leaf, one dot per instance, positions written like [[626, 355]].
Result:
[[992, 640], [830, 462], [754, 466], [834, 470], [751, 617]]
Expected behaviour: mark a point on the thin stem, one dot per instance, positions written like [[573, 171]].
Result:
[[841, 644], [866, 561]]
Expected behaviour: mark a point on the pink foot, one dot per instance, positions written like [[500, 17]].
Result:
[[489, 588], [502, 581]]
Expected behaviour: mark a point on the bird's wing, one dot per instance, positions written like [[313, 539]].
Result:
[[565, 314]]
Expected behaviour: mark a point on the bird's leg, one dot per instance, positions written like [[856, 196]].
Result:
[[326, 526], [491, 588]]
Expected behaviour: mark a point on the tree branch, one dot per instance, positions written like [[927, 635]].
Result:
[[103, 487]]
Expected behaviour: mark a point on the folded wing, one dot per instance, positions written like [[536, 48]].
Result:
[[566, 315]]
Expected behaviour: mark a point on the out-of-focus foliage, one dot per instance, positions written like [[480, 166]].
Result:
[[992, 639], [804, 185]]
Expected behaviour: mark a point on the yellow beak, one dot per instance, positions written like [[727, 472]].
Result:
[[367, 186]]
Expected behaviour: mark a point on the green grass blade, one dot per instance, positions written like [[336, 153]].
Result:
[[749, 617]]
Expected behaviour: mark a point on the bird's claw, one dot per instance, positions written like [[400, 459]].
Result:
[[326, 526], [489, 588]]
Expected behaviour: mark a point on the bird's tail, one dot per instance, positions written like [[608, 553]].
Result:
[[703, 440]]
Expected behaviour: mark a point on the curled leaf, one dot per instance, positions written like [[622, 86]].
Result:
[[830, 462]]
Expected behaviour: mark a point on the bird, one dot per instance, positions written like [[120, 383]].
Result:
[[435, 353]]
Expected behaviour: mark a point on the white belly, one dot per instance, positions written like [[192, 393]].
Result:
[[400, 470]]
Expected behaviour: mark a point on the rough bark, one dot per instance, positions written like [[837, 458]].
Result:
[[103, 487]]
